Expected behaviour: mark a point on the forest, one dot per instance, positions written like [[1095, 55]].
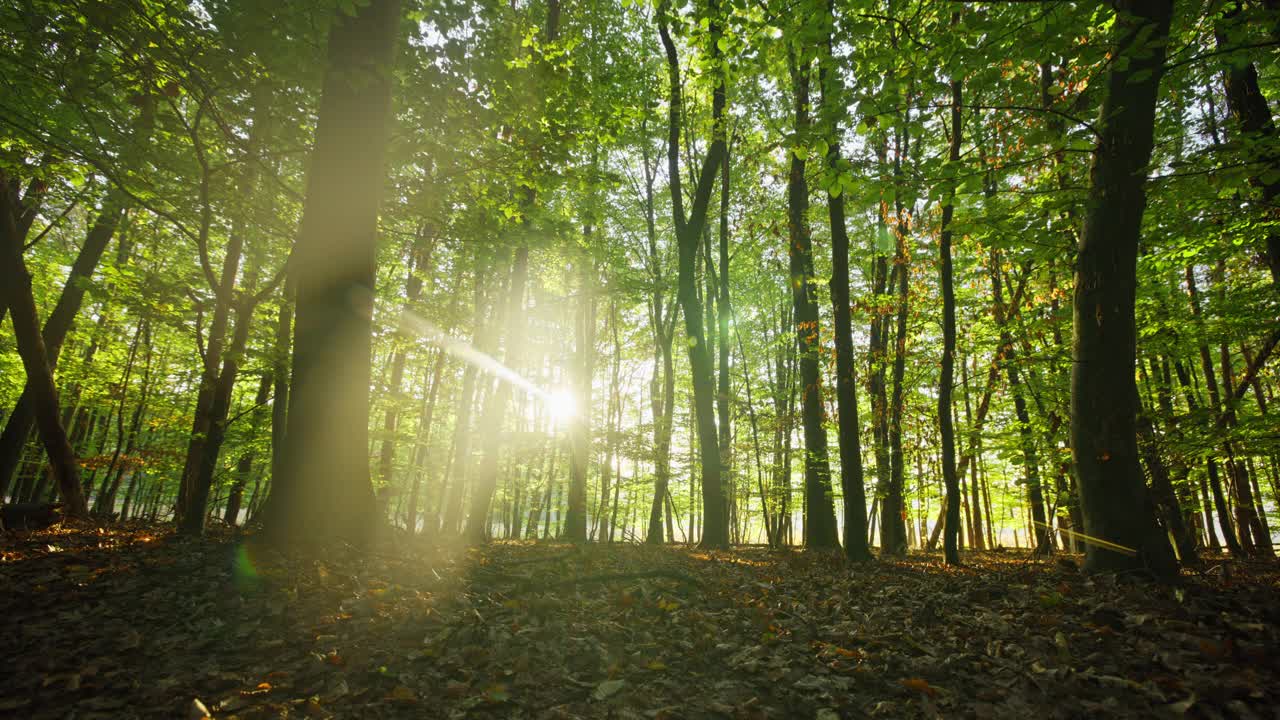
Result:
[[728, 358]]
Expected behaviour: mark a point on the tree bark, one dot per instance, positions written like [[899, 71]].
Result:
[[688, 235], [950, 478], [1113, 496], [325, 488], [575, 518], [852, 482], [1249, 108], [16, 283], [820, 517]]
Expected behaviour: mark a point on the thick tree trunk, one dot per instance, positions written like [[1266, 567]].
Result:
[[1113, 496], [325, 489]]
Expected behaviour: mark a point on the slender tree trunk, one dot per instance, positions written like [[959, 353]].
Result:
[[612, 430], [19, 423], [1030, 455], [460, 462], [1246, 512], [125, 441], [689, 230], [244, 467], [852, 483], [894, 509], [979, 536], [423, 443], [575, 519], [16, 283], [820, 518], [663, 388], [723, 312], [1215, 408], [420, 259], [950, 477], [495, 413]]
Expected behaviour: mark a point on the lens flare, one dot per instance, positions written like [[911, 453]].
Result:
[[559, 403]]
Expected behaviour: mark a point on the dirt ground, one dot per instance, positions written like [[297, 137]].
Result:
[[136, 623]]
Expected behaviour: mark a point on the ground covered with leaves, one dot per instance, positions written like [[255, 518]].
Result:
[[135, 622]]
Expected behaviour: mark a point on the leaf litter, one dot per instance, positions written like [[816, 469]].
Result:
[[134, 622]]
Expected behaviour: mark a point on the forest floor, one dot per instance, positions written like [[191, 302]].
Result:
[[136, 623]]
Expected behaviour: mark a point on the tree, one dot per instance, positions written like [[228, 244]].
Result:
[[820, 516], [856, 546], [324, 488], [689, 229], [1104, 447], [35, 360], [950, 478]]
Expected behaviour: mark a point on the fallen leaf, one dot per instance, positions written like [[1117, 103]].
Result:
[[608, 689]]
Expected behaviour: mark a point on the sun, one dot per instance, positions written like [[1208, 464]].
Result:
[[560, 404]]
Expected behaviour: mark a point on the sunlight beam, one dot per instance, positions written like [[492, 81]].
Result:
[[560, 403]]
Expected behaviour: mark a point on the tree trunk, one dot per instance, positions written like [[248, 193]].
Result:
[[495, 413], [852, 483], [1113, 496], [1215, 409], [688, 235], [58, 324], [975, 503], [1030, 456], [325, 489], [420, 258], [575, 528], [1249, 108], [423, 443], [820, 517], [950, 477], [723, 311], [16, 283], [613, 431]]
